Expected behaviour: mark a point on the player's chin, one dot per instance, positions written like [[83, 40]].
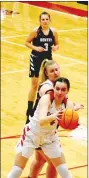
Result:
[[60, 96], [45, 25], [56, 77]]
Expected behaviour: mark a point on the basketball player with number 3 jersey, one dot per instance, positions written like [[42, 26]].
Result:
[[42, 40]]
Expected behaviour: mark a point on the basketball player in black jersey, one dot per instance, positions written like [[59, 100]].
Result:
[[42, 40]]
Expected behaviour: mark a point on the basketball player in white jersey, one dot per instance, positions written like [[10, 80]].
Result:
[[49, 72], [41, 131]]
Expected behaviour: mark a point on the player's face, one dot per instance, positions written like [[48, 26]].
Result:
[[53, 72], [44, 21], [60, 90]]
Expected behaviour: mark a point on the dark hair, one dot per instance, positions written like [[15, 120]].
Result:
[[44, 13], [64, 80]]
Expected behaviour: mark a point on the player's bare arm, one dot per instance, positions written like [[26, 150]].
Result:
[[45, 88], [29, 40], [75, 106], [44, 106], [56, 42]]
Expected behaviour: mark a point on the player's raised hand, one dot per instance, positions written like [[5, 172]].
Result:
[[59, 114], [78, 106]]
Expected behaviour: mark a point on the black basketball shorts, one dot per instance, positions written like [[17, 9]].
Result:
[[35, 64]]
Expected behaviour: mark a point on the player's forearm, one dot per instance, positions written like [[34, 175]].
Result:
[[78, 106], [47, 120], [57, 46], [31, 46]]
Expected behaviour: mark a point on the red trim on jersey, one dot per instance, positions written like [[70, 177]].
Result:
[[65, 100], [28, 128], [23, 137], [21, 142], [24, 134], [51, 93], [24, 131]]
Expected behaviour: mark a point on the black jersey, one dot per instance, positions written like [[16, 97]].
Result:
[[45, 41]]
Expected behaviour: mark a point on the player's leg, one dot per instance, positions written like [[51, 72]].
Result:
[[56, 156], [36, 165], [61, 166], [20, 161], [35, 64], [18, 167], [31, 96], [24, 150], [51, 171]]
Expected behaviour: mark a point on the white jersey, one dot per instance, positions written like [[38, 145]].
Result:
[[47, 82], [40, 94], [35, 136], [47, 130]]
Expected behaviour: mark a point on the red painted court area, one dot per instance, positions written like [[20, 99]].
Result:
[[58, 7]]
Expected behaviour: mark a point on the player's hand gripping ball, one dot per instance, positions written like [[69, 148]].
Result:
[[69, 119]]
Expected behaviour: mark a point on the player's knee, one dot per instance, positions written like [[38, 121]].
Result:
[[34, 86], [63, 171], [15, 172], [34, 83]]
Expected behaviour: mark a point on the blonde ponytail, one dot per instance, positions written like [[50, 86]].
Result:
[[42, 75]]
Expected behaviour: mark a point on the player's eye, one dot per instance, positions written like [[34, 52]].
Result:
[[44, 19], [57, 88], [51, 71], [63, 89]]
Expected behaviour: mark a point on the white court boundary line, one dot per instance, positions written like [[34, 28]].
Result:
[[17, 44], [58, 55], [59, 31], [73, 29], [71, 59], [14, 71], [24, 70], [15, 36]]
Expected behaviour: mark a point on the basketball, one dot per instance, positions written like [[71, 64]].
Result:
[[69, 119]]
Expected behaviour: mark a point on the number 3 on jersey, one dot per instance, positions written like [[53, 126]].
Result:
[[46, 46]]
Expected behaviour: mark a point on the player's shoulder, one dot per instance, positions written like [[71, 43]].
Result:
[[35, 29], [45, 87], [53, 30], [70, 104], [45, 99], [48, 82]]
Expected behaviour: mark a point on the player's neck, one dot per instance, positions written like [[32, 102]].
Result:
[[58, 104], [45, 30], [58, 101]]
